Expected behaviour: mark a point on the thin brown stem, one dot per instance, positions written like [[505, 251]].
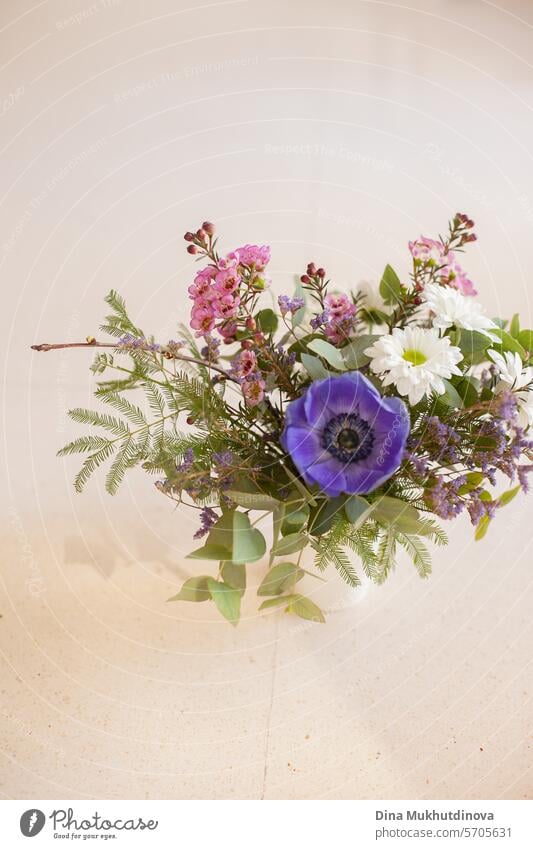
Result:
[[46, 346]]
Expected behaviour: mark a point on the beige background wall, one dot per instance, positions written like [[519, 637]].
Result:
[[335, 131]]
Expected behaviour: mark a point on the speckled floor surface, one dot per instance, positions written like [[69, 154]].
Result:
[[412, 690]]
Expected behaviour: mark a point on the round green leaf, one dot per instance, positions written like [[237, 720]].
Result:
[[194, 589], [281, 577]]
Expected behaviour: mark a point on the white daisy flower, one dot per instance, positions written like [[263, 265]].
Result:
[[415, 360], [451, 308], [512, 375]]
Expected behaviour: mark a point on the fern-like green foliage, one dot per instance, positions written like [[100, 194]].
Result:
[[376, 547], [118, 322]]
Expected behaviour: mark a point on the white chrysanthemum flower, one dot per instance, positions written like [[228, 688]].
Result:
[[415, 360], [512, 375], [451, 308]]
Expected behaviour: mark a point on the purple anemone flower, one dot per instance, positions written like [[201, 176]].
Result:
[[344, 436]]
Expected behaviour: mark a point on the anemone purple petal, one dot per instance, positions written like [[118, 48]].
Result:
[[343, 436]]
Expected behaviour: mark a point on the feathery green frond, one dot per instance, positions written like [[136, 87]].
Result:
[[417, 552]]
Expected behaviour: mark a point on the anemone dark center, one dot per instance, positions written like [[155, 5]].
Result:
[[348, 437]]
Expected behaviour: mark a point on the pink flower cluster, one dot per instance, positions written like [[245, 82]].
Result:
[[245, 369], [340, 317], [255, 256], [215, 291], [433, 253]]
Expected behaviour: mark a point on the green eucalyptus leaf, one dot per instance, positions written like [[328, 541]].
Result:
[[305, 609], [248, 543], [314, 367], [278, 601], [227, 600], [393, 511], [252, 500], [354, 352], [302, 344], [390, 287], [322, 517], [194, 589], [468, 390], [210, 551], [328, 352], [234, 575], [277, 521], [279, 578], [295, 519], [357, 509], [473, 345], [267, 321], [451, 397], [289, 545], [221, 534]]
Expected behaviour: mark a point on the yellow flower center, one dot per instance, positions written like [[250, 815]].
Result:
[[416, 358]]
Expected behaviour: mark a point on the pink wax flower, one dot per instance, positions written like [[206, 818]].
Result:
[[226, 306], [227, 280], [340, 306], [426, 250], [231, 260], [454, 275], [257, 256], [244, 364], [202, 320], [340, 315], [253, 391], [227, 329]]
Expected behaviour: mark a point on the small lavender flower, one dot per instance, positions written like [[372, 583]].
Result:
[[320, 320], [419, 464], [211, 349], [505, 406], [173, 346], [223, 459], [208, 518], [444, 498], [522, 473], [290, 305], [135, 343], [478, 509], [186, 464]]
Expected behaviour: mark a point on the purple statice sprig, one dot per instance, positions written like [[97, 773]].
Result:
[[128, 342], [290, 305], [208, 517]]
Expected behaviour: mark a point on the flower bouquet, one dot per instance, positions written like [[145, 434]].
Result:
[[353, 422]]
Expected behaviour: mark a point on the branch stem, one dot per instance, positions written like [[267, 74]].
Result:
[[46, 346]]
